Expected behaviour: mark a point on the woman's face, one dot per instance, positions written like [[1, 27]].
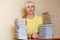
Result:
[[30, 8]]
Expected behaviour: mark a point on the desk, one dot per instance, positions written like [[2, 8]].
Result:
[[44, 39], [48, 39]]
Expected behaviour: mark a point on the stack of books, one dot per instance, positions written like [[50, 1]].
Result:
[[21, 29]]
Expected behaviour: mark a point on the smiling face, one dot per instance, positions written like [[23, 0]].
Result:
[[30, 8]]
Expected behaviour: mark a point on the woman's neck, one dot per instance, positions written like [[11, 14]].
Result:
[[30, 16]]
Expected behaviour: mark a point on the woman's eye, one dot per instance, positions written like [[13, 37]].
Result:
[[28, 7], [32, 6]]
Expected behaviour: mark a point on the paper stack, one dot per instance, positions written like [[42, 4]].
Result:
[[21, 29], [46, 31]]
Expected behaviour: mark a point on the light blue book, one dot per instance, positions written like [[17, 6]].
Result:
[[21, 29], [22, 34]]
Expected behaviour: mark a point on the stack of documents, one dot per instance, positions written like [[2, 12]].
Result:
[[21, 29], [46, 31]]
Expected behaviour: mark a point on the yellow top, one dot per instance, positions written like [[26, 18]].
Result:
[[33, 24]]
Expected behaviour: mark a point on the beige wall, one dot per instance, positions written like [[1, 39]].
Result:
[[11, 9]]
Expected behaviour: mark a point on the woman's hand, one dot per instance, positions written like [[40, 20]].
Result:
[[35, 35]]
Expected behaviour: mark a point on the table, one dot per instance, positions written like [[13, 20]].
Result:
[[47, 39]]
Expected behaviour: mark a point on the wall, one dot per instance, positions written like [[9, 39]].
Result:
[[11, 9]]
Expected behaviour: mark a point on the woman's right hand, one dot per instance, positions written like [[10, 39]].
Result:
[[35, 35]]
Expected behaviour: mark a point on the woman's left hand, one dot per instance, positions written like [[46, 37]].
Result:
[[35, 35]]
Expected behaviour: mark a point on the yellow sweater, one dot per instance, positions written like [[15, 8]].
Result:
[[33, 24]]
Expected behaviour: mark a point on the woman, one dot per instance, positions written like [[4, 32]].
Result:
[[33, 21]]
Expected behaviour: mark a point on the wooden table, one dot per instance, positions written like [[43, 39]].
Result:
[[48, 39], [45, 39]]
